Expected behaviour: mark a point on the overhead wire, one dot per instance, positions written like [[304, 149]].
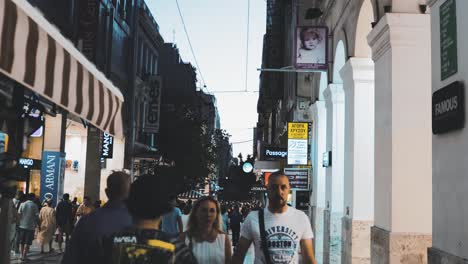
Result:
[[240, 142], [191, 47], [247, 47]]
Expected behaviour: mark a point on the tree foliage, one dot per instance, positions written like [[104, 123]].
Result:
[[186, 139]]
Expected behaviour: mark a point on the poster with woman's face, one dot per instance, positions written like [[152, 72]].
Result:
[[311, 48]]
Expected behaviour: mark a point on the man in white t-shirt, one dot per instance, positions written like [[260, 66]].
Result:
[[287, 230]]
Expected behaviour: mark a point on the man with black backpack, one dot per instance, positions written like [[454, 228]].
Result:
[[278, 231]]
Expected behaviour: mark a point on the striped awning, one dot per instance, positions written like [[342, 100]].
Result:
[[190, 195], [34, 53]]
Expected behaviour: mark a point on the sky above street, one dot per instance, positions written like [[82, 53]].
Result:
[[218, 34]]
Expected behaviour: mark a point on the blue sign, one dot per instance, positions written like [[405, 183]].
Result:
[[52, 171]]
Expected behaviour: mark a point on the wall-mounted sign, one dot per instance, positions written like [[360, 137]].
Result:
[[27, 163], [327, 159], [448, 108], [52, 171], [298, 130], [3, 142], [151, 109], [258, 188], [107, 146], [298, 134], [311, 48], [88, 25], [275, 153], [297, 152], [448, 39], [302, 200], [298, 178]]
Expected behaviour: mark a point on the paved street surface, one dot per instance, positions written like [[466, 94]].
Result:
[[35, 256]]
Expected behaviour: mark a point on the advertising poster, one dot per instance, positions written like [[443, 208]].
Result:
[[311, 48], [52, 174], [298, 143]]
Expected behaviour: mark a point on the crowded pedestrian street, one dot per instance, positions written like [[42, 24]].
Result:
[[233, 132]]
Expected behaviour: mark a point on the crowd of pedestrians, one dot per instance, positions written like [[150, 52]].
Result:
[[31, 219], [142, 223]]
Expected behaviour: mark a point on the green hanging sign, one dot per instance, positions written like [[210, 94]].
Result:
[[448, 39]]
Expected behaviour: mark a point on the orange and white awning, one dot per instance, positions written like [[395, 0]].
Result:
[[34, 53]]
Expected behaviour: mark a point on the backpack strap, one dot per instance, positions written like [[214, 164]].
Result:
[[261, 222]]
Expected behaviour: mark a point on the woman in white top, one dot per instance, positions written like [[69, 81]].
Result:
[[204, 235]]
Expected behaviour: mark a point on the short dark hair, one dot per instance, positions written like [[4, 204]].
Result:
[[31, 196], [279, 173], [149, 197], [66, 196], [117, 184]]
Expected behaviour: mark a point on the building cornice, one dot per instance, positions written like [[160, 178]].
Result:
[[397, 29], [357, 70]]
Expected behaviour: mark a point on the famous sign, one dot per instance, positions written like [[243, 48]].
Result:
[[448, 108], [298, 135]]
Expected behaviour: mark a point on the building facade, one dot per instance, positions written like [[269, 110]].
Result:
[[365, 206]]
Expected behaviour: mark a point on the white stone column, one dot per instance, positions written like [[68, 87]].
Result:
[[334, 102], [318, 179], [403, 147], [358, 86]]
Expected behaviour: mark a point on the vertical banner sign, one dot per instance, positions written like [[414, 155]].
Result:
[[448, 39], [298, 134], [52, 171], [107, 146], [298, 178], [88, 23], [151, 110]]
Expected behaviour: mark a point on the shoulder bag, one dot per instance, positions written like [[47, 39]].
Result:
[[261, 222]]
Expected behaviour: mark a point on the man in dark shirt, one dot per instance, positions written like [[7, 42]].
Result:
[[64, 218], [86, 243], [235, 222], [143, 243]]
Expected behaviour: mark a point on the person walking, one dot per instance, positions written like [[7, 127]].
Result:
[[86, 243], [64, 218], [225, 219], [235, 222], [144, 242], [28, 213], [47, 225], [84, 209], [278, 231], [172, 221], [204, 235], [20, 198]]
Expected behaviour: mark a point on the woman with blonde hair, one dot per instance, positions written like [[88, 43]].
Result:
[[204, 234]]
